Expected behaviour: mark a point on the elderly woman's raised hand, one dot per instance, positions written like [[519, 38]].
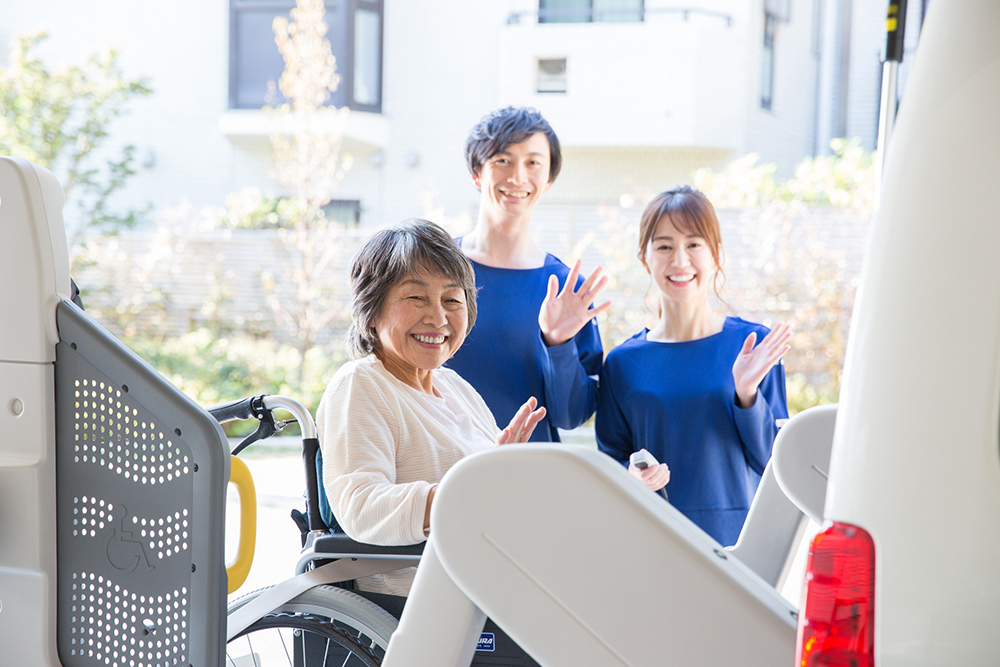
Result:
[[523, 423], [564, 313]]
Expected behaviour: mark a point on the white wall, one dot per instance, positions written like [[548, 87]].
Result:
[[785, 132], [659, 83], [647, 103], [865, 70], [441, 65]]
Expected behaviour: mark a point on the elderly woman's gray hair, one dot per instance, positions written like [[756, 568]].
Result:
[[391, 254]]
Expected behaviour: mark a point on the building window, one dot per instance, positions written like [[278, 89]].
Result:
[[551, 75], [346, 212], [255, 64], [587, 11], [767, 62]]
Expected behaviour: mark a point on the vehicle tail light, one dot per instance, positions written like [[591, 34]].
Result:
[[837, 619]]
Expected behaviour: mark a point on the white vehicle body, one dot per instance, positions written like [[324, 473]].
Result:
[[916, 455], [34, 273]]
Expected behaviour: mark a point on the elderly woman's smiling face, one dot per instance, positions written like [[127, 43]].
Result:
[[422, 324]]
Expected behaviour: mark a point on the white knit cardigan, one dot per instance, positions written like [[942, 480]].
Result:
[[385, 444]]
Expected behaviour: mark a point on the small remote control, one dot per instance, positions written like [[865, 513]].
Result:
[[642, 459]]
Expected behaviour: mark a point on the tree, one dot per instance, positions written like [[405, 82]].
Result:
[[58, 119], [306, 142]]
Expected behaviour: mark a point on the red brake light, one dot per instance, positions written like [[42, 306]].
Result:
[[837, 619]]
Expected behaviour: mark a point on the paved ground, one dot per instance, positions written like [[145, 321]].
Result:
[[279, 482]]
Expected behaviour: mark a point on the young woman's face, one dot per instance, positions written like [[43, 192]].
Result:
[[680, 263], [422, 324], [513, 180]]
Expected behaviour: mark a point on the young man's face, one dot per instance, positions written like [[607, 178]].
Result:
[[514, 179]]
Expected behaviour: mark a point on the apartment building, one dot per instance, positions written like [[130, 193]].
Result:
[[641, 92]]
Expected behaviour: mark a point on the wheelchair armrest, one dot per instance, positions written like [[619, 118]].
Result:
[[339, 545]]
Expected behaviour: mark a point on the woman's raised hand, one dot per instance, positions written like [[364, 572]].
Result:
[[753, 363], [564, 313], [523, 423]]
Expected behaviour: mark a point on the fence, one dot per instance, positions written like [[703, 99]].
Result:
[[781, 262]]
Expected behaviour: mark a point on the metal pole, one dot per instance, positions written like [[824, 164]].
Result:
[[895, 24]]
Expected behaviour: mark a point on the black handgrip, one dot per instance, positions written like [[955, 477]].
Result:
[[239, 409], [309, 448], [895, 28]]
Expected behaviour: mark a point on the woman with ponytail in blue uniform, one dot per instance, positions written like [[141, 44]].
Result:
[[700, 391]]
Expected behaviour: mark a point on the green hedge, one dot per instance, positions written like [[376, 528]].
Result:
[[213, 369]]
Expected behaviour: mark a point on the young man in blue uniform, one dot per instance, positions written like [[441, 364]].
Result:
[[535, 334]]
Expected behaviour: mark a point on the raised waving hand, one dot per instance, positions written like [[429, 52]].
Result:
[[753, 363], [523, 423], [564, 313]]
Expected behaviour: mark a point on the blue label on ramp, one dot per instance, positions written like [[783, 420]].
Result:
[[487, 642]]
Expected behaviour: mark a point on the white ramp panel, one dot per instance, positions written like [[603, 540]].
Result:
[[582, 565]]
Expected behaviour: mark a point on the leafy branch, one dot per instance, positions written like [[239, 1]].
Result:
[[59, 118]]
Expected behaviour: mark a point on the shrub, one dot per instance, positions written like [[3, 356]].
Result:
[[212, 369]]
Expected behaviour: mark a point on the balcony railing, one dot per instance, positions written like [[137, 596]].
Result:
[[612, 15]]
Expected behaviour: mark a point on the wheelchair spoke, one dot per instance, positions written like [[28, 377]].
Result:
[[313, 642], [284, 646], [253, 654]]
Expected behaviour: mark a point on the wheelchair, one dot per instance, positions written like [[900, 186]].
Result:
[[330, 623]]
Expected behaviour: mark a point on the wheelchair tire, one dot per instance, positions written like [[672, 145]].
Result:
[[344, 624], [297, 640]]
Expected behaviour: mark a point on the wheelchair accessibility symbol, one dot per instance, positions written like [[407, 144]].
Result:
[[123, 551]]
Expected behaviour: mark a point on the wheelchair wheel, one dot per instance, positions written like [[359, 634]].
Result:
[[324, 626]]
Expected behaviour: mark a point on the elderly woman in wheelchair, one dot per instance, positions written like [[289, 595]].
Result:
[[392, 421]]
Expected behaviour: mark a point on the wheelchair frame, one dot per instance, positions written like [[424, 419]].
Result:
[[329, 557]]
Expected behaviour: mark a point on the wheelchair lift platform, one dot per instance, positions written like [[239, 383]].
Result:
[[581, 566]]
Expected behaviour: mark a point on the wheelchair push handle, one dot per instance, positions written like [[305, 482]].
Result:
[[310, 445], [240, 409], [259, 407], [299, 411], [262, 409]]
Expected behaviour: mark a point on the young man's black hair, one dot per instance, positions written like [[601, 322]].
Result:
[[505, 127]]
